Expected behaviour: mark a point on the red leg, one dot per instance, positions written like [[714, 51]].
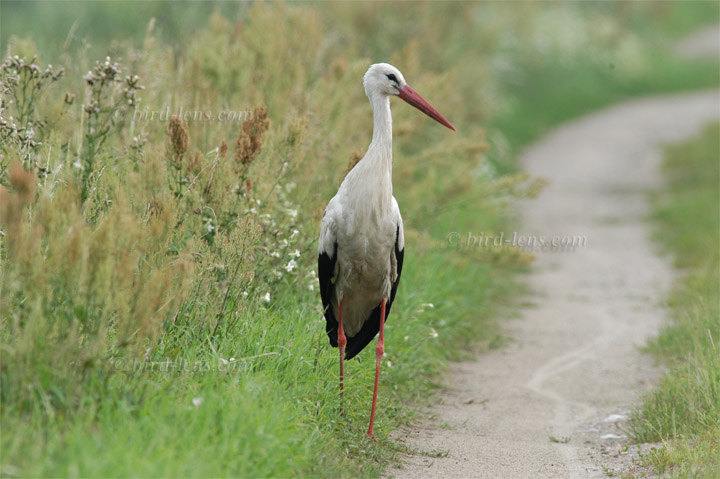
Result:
[[379, 351], [342, 341]]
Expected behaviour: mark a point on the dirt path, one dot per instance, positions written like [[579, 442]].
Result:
[[573, 369], [703, 43]]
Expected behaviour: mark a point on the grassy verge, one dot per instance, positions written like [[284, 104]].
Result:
[[684, 413], [157, 300]]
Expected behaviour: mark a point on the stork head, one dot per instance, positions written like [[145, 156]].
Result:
[[385, 79]]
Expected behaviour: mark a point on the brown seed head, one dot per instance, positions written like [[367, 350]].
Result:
[[23, 182], [178, 140]]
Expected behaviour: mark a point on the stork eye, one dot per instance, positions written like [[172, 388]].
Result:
[[391, 77]]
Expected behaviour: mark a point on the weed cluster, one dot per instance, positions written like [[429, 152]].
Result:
[[22, 85]]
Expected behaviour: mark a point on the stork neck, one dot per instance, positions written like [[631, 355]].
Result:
[[368, 186], [382, 125]]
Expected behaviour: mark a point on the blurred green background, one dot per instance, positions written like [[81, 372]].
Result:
[[172, 240]]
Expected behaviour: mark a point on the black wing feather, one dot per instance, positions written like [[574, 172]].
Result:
[[372, 326], [326, 269]]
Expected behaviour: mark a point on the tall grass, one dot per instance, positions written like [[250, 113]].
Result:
[[684, 412], [158, 302]]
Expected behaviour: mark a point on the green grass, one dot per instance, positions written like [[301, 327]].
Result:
[[684, 413], [546, 100], [159, 251]]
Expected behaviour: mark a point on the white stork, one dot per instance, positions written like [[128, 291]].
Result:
[[362, 242]]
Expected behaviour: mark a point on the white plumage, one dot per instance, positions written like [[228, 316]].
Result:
[[364, 217]]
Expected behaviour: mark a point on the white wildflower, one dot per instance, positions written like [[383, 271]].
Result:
[[291, 265], [197, 402], [294, 233], [311, 286], [266, 298], [433, 333], [293, 213], [295, 254]]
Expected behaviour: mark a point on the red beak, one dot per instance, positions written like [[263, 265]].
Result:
[[413, 98]]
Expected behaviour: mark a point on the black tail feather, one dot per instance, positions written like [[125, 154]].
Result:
[[369, 330]]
